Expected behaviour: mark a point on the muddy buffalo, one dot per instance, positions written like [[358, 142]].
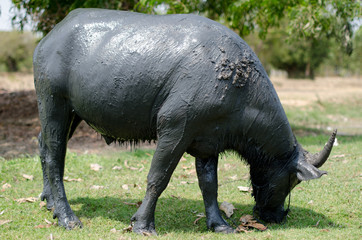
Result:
[[187, 81]]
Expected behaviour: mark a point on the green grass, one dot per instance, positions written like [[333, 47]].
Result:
[[347, 117], [333, 201]]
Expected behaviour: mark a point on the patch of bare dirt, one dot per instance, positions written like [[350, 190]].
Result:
[[327, 89], [20, 126]]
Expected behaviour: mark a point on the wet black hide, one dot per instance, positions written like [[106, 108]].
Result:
[[183, 80]]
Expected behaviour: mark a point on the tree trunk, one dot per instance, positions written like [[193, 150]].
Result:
[[307, 70], [11, 64]]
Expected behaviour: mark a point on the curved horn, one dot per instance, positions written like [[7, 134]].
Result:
[[320, 158]]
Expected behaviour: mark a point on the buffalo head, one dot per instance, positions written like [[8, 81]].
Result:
[[279, 181]]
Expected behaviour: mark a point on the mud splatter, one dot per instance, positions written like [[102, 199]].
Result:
[[239, 72]]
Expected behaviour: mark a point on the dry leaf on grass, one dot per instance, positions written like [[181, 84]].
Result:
[[234, 177], [29, 199], [246, 177], [199, 216], [125, 187], [96, 187], [95, 167], [324, 230], [246, 219], [2, 222], [186, 182], [227, 208], [2, 212], [316, 225], [146, 234], [227, 166], [42, 204], [185, 167], [28, 177], [67, 179], [45, 225], [50, 237], [6, 186], [175, 197], [241, 228], [127, 229], [258, 226], [132, 168], [248, 222], [244, 189], [117, 168], [137, 204], [114, 230], [48, 222]]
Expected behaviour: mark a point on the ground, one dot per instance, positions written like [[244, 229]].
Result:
[[19, 123]]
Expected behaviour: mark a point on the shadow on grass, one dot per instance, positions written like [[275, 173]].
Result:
[[178, 215]]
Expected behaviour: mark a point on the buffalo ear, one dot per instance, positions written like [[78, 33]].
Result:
[[306, 171]]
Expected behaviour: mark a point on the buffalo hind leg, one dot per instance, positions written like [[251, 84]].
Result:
[[47, 192], [56, 121], [206, 169]]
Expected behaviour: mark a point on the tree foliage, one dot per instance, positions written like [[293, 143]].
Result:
[[341, 64], [307, 19], [305, 25], [300, 29], [47, 13], [16, 50], [299, 59]]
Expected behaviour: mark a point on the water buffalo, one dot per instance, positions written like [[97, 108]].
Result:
[[185, 80]]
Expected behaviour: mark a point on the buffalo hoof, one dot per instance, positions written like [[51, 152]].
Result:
[[69, 222], [49, 199], [224, 229], [144, 230]]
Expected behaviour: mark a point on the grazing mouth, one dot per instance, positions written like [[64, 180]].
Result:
[[276, 215]]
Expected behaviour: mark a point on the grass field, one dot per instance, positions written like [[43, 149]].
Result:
[[105, 200], [328, 208]]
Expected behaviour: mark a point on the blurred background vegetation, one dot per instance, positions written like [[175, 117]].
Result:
[[16, 51], [302, 38]]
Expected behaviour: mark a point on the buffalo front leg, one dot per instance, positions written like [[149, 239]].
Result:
[[163, 164], [172, 143], [56, 119], [207, 174]]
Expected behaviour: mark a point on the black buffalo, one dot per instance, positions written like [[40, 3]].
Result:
[[187, 81]]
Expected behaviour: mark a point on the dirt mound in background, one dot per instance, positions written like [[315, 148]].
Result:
[[20, 126], [20, 104]]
